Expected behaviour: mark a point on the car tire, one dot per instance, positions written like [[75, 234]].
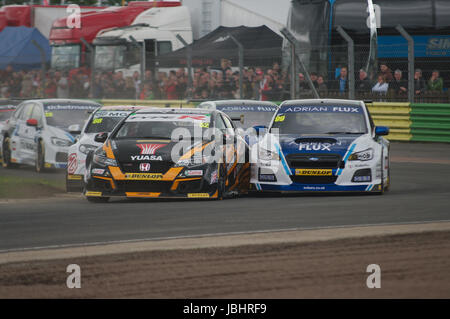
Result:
[[6, 153], [40, 157], [221, 182]]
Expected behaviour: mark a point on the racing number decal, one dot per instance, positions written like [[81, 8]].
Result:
[[72, 163], [280, 118]]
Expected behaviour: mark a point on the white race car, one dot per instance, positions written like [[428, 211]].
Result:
[[7, 108], [39, 132], [102, 120], [322, 145]]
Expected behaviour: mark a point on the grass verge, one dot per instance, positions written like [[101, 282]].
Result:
[[22, 187]]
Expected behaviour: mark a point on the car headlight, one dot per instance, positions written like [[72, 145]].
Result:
[[60, 142], [101, 159], [195, 161], [85, 148], [267, 155], [365, 155]]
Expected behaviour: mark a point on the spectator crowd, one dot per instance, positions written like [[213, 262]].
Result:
[[221, 83]]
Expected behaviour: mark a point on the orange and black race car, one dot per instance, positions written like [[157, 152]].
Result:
[[160, 153]]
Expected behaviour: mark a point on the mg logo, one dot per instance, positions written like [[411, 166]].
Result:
[[144, 167], [149, 149]]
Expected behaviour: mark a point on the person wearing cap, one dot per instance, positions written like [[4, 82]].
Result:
[[435, 83]]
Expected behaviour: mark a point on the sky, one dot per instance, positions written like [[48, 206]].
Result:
[[275, 9]]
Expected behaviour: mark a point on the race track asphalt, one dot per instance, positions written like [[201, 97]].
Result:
[[420, 192]]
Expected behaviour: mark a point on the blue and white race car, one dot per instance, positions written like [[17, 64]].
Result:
[[322, 145]]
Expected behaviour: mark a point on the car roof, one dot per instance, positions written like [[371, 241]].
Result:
[[322, 102], [77, 101], [175, 111], [240, 102], [123, 107]]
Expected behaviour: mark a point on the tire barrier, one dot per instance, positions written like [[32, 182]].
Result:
[[394, 115], [430, 122]]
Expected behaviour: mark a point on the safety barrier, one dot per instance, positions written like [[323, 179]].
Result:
[[394, 115], [430, 122]]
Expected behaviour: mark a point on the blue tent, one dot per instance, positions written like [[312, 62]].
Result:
[[18, 50]]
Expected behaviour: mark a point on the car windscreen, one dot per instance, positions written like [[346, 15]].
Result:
[[326, 119], [5, 113], [63, 115], [249, 115], [164, 125], [105, 121]]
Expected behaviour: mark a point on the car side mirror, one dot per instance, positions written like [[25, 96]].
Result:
[[101, 137], [238, 119], [381, 130], [74, 129], [260, 129], [32, 122]]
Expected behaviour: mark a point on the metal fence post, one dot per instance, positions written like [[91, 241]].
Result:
[[290, 37], [410, 61], [241, 64], [293, 73], [188, 62], [142, 48], [91, 48], [43, 68], [351, 62]]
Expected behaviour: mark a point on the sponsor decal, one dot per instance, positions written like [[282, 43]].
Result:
[[362, 178], [142, 194], [74, 177], [144, 176], [69, 107], [98, 171], [93, 193], [338, 109], [193, 117], [247, 108], [197, 172], [314, 147], [214, 177], [149, 149], [198, 195], [313, 172], [146, 158], [144, 167], [100, 114], [72, 163], [267, 177]]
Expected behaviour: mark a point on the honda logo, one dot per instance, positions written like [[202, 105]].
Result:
[[144, 167]]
